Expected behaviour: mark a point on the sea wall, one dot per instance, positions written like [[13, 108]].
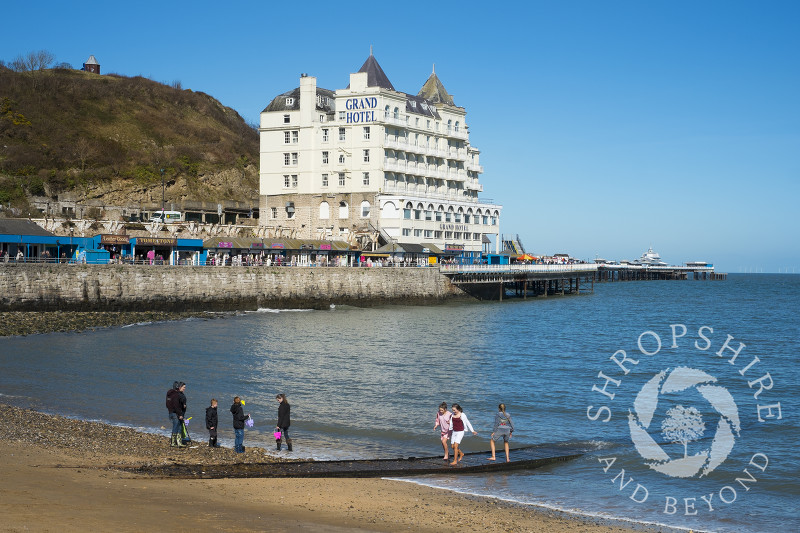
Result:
[[34, 287]]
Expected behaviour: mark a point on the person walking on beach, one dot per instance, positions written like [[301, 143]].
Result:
[[283, 421], [211, 423], [238, 424], [442, 421], [176, 408], [460, 422], [503, 428]]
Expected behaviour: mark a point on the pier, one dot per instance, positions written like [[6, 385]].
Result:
[[493, 282], [472, 463]]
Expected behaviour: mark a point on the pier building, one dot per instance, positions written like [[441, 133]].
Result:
[[375, 167]]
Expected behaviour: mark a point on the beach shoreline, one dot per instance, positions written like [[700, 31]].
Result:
[[64, 474], [21, 323]]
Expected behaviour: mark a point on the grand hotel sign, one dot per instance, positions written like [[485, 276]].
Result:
[[360, 109]]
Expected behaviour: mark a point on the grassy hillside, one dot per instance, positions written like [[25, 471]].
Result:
[[109, 136]]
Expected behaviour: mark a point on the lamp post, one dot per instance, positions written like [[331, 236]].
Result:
[[163, 187]]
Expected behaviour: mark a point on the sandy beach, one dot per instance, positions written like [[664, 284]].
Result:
[[61, 474]]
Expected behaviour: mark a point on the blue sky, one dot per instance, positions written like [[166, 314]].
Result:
[[604, 127]]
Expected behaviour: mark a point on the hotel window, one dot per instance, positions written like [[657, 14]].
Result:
[[324, 135], [485, 220], [274, 212], [365, 207], [396, 112], [342, 134], [428, 215], [438, 216], [456, 126], [290, 101], [386, 112], [366, 133], [458, 217], [448, 234], [417, 233], [294, 181], [448, 217], [428, 125], [417, 214], [366, 178], [325, 158], [286, 181], [341, 159], [286, 157], [366, 156], [466, 218], [457, 235], [322, 118], [406, 232], [416, 122], [428, 233], [437, 234], [324, 180], [341, 179], [494, 221], [295, 137], [407, 212], [342, 115], [294, 158], [476, 236], [285, 119], [286, 135]]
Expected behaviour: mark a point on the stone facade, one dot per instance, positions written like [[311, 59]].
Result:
[[181, 288]]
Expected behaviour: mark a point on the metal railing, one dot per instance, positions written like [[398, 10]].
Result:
[[459, 269]]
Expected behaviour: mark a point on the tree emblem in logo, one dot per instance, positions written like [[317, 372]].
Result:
[[683, 424]]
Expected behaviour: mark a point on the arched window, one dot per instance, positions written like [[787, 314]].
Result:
[[324, 211], [343, 212], [449, 126], [365, 208], [457, 126], [389, 210], [396, 112], [386, 111]]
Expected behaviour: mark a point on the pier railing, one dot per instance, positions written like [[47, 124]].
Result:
[[468, 269]]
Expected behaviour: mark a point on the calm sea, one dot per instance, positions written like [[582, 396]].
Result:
[[366, 383]]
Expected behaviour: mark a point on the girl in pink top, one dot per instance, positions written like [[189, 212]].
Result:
[[443, 420]]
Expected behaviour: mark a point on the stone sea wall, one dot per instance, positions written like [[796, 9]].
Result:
[[33, 287]]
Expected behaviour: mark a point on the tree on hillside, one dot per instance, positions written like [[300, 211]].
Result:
[[31, 61]]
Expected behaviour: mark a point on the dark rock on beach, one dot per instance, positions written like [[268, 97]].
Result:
[[32, 322]]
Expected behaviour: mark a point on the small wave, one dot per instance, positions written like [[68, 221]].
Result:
[[269, 310], [137, 324], [553, 507]]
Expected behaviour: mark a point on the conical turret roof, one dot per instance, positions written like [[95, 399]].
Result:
[[434, 91], [375, 75]]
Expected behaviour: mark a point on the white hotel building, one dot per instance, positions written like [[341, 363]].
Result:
[[374, 166]]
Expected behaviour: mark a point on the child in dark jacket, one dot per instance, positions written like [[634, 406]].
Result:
[[211, 424]]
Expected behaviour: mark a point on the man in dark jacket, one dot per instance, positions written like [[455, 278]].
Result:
[[211, 423], [176, 407], [238, 424]]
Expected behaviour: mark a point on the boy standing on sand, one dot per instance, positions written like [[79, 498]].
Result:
[[238, 424], [211, 424]]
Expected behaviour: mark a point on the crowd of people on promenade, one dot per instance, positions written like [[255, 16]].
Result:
[[453, 425]]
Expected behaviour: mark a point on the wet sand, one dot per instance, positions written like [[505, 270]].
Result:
[[59, 474]]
